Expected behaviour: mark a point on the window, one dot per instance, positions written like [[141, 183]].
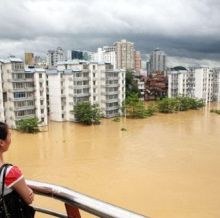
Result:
[[19, 94]]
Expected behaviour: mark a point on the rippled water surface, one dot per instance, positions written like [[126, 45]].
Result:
[[165, 166]]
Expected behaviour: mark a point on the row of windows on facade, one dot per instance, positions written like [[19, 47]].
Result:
[[25, 94], [27, 103]]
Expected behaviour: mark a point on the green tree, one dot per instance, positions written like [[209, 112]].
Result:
[[86, 113], [135, 108], [131, 86], [170, 105], [215, 111], [28, 125]]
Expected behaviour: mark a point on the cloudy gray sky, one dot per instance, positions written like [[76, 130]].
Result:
[[187, 30]]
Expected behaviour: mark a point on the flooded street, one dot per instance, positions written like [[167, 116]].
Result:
[[165, 166]]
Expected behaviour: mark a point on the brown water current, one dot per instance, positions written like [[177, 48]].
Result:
[[165, 166]]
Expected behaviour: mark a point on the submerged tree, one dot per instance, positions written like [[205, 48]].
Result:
[[135, 108], [170, 105], [28, 125], [86, 113]]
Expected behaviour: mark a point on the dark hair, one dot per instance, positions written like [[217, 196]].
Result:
[[3, 130]]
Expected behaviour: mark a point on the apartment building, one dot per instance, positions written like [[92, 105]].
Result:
[[157, 62], [29, 58], [2, 115], [137, 61], [216, 84], [75, 81], [54, 56], [202, 83], [124, 54], [181, 82], [74, 54], [105, 55], [24, 92]]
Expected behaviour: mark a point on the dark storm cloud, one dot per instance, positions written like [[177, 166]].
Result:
[[188, 28]]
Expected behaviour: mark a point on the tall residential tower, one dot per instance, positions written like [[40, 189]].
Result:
[[157, 62], [124, 54]]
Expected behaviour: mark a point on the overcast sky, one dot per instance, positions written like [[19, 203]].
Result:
[[187, 30]]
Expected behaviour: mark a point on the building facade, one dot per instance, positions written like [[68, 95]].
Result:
[[137, 61], [181, 82], [202, 83], [105, 55], [74, 82], [2, 114], [74, 54], [216, 84], [157, 62], [29, 59], [23, 92], [124, 54], [54, 56]]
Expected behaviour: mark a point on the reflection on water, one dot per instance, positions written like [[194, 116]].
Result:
[[163, 166]]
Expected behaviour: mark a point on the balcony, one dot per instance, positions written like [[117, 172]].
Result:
[[81, 78], [110, 100], [112, 108], [25, 117], [81, 86], [110, 86], [23, 99], [24, 108], [110, 93], [81, 94], [22, 80]]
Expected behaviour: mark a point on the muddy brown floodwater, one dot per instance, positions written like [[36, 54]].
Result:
[[165, 166]]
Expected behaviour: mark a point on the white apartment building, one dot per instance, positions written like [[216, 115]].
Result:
[[2, 115], [75, 81], [105, 55], [181, 83], [202, 83], [54, 56], [24, 92], [216, 84], [124, 54]]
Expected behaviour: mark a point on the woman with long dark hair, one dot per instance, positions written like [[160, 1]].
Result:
[[13, 179]]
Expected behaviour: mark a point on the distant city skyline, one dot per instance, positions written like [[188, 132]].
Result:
[[187, 30]]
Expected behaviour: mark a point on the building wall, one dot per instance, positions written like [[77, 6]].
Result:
[[2, 115], [54, 84], [97, 83], [157, 61], [202, 83], [137, 61], [124, 54], [55, 56], [41, 96], [105, 55], [20, 91], [216, 84], [29, 59]]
